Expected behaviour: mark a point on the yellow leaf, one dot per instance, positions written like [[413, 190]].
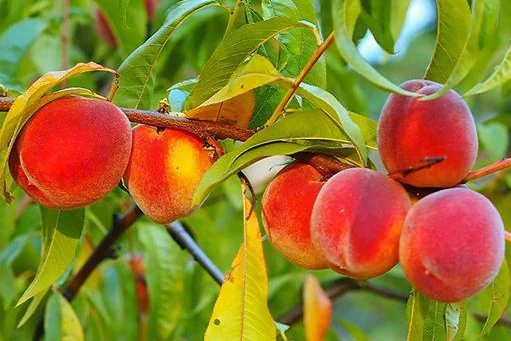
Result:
[[28, 103], [317, 310], [241, 310], [236, 111], [70, 327], [83, 256]]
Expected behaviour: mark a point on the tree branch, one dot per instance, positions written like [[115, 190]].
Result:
[[102, 251]]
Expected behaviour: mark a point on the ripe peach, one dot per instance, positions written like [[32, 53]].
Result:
[[410, 130], [72, 152], [452, 244], [165, 168], [356, 222], [286, 207]]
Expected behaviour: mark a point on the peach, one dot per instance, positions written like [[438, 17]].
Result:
[[452, 244], [410, 130], [286, 209], [165, 168], [356, 222], [72, 152]]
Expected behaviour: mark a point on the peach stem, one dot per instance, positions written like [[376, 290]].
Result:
[[495, 167], [507, 236], [425, 163]]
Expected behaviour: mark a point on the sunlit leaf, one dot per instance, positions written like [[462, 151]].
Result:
[[317, 310], [61, 322], [455, 320], [61, 234], [137, 71], [34, 304], [241, 311], [495, 297]]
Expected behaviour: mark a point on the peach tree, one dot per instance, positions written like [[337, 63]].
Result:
[[254, 170]]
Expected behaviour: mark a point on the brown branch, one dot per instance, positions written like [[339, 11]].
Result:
[[102, 251], [495, 167], [345, 285], [64, 36]]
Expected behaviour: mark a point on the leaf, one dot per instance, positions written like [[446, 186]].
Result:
[[165, 265], [61, 322], [355, 332], [137, 76], [495, 297], [495, 139], [241, 311], [455, 320], [7, 257], [453, 29], [291, 134], [345, 13], [61, 233], [415, 311], [233, 50], [28, 103], [484, 10], [32, 307], [299, 44], [317, 310], [16, 41], [434, 324], [501, 75], [126, 23]]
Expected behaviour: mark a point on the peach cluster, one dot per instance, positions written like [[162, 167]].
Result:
[[361, 222], [74, 150]]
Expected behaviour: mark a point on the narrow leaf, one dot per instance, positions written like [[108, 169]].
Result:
[[495, 298], [34, 304], [455, 320], [61, 322], [137, 71], [61, 234], [415, 311], [453, 29], [233, 50], [345, 13], [317, 310], [241, 311]]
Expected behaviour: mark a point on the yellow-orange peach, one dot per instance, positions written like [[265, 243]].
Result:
[[356, 222], [72, 152], [164, 171], [452, 244], [287, 206], [410, 130]]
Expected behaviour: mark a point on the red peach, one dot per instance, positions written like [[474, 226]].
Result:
[[452, 244], [410, 130], [286, 207], [72, 152], [356, 222], [165, 169]]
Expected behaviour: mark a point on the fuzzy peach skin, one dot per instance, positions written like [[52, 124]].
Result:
[[356, 222], [410, 130], [287, 207], [164, 171], [452, 244], [72, 152]]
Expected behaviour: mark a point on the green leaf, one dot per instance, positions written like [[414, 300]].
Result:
[[495, 139], [16, 41], [36, 301], [500, 76], [61, 234], [299, 44], [353, 330], [165, 278], [233, 50], [484, 11], [415, 312], [345, 13], [61, 322], [137, 76], [126, 23], [455, 320], [385, 19], [7, 256], [434, 324], [303, 130], [453, 29], [495, 297]]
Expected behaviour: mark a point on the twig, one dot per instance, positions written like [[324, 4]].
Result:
[[425, 163], [495, 167], [507, 236], [305, 71], [185, 241], [102, 251]]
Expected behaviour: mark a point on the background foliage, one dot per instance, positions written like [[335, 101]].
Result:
[[181, 294]]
